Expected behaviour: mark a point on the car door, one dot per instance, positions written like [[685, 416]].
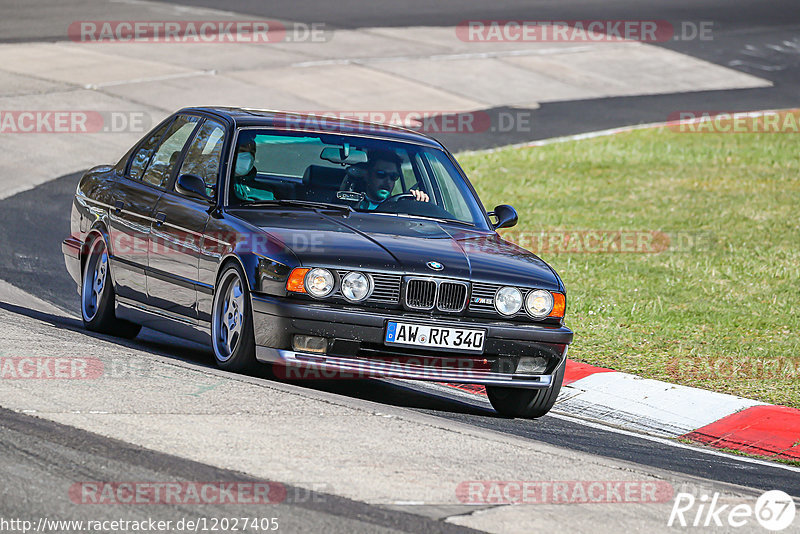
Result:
[[177, 230], [133, 205]]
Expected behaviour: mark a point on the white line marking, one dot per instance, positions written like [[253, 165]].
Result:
[[445, 57], [557, 414], [611, 131], [178, 8], [754, 65], [211, 72], [667, 441]]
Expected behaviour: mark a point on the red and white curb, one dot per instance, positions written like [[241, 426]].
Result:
[[672, 411]]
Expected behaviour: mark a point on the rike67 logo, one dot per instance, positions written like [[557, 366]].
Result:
[[774, 510]]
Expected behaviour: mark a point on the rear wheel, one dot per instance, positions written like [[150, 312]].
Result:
[[97, 295], [232, 323], [526, 403]]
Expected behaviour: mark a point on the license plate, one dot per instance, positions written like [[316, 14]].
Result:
[[420, 335]]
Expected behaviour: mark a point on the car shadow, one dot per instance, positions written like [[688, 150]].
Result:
[[394, 393], [376, 390]]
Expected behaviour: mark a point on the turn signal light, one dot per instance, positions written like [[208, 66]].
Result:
[[296, 281], [559, 305]]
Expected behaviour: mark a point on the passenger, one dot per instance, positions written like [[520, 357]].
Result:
[[245, 186], [382, 172]]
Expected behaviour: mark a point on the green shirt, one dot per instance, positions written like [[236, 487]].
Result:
[[367, 204], [244, 189]]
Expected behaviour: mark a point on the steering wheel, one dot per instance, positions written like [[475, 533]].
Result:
[[395, 198]]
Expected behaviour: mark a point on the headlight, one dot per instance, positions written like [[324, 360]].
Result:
[[539, 303], [319, 282], [508, 300], [356, 286]]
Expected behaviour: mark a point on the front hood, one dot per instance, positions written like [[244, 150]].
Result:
[[399, 244]]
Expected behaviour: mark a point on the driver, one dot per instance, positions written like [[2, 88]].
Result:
[[383, 170], [245, 186]]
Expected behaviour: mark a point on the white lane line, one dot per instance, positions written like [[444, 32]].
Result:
[[445, 57], [211, 72], [671, 442], [569, 138], [178, 8], [610, 132], [558, 414]]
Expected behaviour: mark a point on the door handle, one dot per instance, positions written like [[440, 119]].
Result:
[[160, 218], [118, 205]]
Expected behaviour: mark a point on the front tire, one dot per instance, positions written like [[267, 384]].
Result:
[[232, 323], [97, 295], [526, 403]]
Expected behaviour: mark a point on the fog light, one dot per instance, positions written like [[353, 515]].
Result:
[[531, 365], [310, 344]]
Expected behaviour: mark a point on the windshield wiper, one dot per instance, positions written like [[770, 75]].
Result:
[[300, 203], [414, 216]]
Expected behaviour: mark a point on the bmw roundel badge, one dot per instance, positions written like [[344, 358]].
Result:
[[435, 265]]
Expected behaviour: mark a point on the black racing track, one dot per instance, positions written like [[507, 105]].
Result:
[[40, 219], [760, 38]]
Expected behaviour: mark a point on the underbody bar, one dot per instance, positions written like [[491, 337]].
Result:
[[362, 368]]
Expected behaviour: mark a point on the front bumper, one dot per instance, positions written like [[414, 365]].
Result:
[[357, 347], [297, 365]]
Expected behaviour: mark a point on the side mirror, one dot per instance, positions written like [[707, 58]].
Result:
[[193, 186], [506, 216]]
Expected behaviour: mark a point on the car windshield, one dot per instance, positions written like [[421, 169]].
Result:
[[365, 174]]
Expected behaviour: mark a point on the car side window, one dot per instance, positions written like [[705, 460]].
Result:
[[141, 157], [452, 197], [163, 161], [204, 154]]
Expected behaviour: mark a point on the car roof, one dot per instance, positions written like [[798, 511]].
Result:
[[324, 122]]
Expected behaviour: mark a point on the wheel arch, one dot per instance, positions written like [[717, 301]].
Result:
[[98, 229], [232, 259]]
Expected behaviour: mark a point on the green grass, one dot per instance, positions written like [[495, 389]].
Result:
[[723, 315]]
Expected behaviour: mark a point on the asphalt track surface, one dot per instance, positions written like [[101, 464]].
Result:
[[758, 38], [56, 455], [753, 37], [40, 219]]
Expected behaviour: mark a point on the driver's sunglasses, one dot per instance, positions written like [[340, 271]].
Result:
[[392, 175]]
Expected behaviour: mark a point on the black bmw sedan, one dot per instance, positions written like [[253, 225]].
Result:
[[312, 243]]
